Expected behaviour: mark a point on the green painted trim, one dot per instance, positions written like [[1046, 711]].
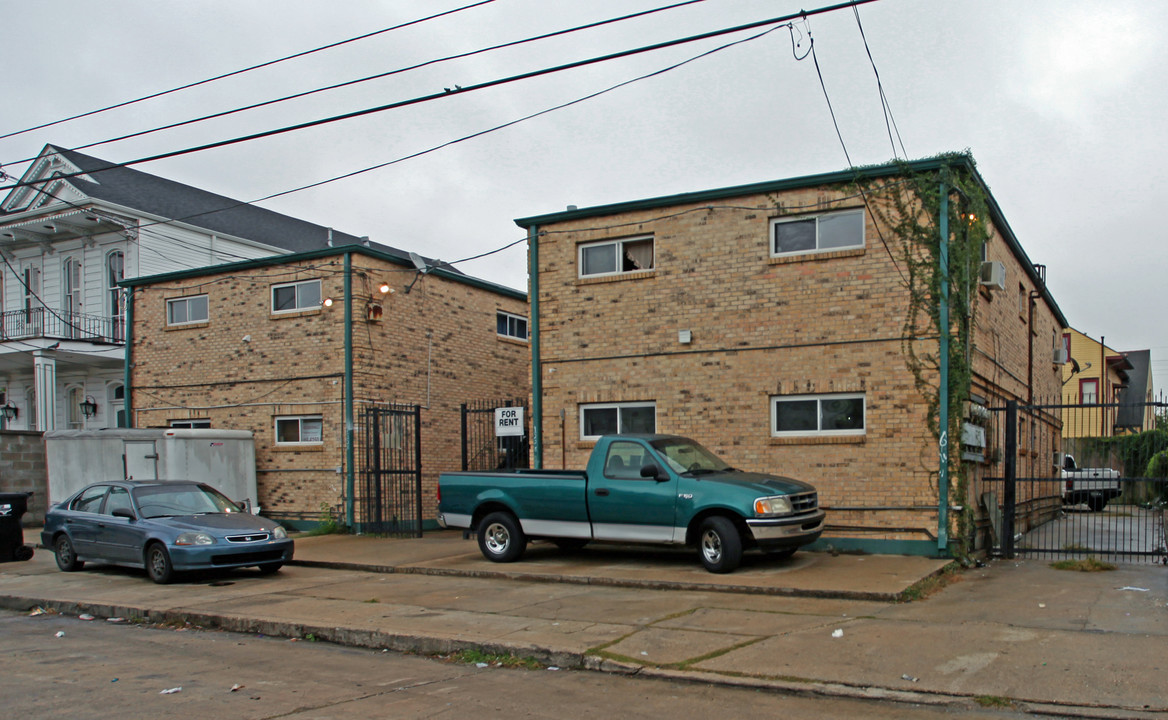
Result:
[[943, 383], [350, 476], [536, 363], [272, 260], [128, 402], [919, 548]]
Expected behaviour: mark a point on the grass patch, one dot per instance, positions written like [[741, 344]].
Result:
[[1076, 547], [1085, 565], [993, 701], [933, 584], [477, 657]]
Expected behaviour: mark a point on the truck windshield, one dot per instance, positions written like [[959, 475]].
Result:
[[687, 456]]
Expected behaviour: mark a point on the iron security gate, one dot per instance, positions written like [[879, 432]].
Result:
[[1075, 485], [482, 447], [389, 471]]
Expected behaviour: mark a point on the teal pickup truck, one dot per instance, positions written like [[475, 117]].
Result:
[[660, 489]]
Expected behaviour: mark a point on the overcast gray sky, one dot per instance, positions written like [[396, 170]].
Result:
[[1060, 102]]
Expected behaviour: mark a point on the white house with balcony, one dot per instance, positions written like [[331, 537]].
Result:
[[71, 229]]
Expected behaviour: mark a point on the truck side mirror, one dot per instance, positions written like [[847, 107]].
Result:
[[650, 470]]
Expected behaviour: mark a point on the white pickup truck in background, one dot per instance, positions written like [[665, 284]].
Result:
[[1093, 487]]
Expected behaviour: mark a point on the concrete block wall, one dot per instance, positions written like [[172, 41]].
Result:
[[22, 469]]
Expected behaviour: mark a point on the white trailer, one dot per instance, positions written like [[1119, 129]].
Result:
[[224, 459]]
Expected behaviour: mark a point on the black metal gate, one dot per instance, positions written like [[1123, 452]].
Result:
[[482, 448], [1075, 485], [389, 471]]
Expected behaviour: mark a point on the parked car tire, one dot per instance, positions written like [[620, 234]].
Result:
[[158, 565], [66, 555], [719, 545], [500, 537], [1096, 503], [270, 568]]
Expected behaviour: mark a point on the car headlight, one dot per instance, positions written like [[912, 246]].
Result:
[[194, 538], [778, 505], [279, 533]]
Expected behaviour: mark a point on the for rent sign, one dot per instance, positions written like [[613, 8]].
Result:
[[508, 421]]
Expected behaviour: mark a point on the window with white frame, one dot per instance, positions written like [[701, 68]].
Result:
[[190, 424], [616, 257], [512, 326], [817, 415], [290, 297], [187, 310], [612, 418], [817, 233], [299, 430]]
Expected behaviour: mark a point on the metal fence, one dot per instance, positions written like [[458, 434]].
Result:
[[1109, 502], [388, 496], [42, 322], [482, 449]]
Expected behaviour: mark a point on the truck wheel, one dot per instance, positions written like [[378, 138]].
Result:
[[719, 545], [500, 537], [1096, 503]]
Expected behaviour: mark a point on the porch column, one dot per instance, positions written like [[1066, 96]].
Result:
[[45, 383]]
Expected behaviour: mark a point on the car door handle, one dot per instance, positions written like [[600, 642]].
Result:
[[602, 492]]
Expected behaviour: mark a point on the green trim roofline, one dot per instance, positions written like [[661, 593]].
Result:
[[338, 251], [961, 161]]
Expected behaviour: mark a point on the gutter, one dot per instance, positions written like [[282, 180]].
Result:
[[350, 479], [536, 365]]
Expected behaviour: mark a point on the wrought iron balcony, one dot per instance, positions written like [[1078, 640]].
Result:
[[59, 325]]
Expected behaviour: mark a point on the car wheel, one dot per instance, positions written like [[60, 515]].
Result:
[[500, 537], [1096, 503], [719, 545], [66, 555], [270, 568], [158, 565]]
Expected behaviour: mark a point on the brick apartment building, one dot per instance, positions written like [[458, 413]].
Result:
[[323, 355], [768, 322]]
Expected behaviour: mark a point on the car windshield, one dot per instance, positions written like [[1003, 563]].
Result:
[[155, 501], [687, 456]]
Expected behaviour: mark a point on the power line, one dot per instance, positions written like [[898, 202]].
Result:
[[244, 70], [368, 78], [462, 90], [889, 120]]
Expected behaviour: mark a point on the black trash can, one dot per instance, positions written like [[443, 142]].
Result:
[[12, 508]]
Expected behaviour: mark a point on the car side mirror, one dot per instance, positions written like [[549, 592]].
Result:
[[650, 470], [124, 513], [245, 504]]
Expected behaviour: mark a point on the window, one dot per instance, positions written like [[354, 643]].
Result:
[[117, 403], [90, 500], [1089, 391], [614, 418], [624, 461], [183, 311], [74, 396], [299, 430], [71, 281], [115, 273], [616, 257], [190, 424], [119, 499], [511, 326], [807, 415], [820, 233], [296, 296]]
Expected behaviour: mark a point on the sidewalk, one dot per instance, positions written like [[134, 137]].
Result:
[[1071, 644]]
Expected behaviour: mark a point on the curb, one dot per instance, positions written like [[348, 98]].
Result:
[[424, 645]]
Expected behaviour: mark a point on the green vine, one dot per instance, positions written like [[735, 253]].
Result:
[[909, 211]]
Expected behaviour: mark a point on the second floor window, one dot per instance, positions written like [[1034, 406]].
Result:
[[299, 430], [511, 326], [817, 233], [183, 311], [616, 257], [304, 295]]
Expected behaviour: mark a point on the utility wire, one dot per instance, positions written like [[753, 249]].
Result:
[[245, 70], [889, 120], [368, 78], [471, 88]]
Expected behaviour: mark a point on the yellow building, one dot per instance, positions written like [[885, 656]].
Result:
[[1104, 381]]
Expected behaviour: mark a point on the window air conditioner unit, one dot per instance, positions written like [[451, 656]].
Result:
[[993, 275], [1060, 356]]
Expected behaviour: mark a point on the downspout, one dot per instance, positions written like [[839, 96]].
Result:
[[536, 367], [350, 482], [128, 403], [943, 390]]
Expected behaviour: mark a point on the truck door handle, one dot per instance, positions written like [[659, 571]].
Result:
[[603, 492]]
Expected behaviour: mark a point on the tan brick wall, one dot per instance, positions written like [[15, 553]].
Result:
[[761, 326], [435, 346]]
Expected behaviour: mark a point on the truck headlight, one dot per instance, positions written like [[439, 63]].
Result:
[[777, 505]]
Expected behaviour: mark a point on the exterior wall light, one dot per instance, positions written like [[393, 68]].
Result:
[[11, 412], [328, 302], [89, 406]]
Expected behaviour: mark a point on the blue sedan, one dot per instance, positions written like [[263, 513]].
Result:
[[165, 527]]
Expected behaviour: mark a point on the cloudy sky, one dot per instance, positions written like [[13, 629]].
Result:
[[1060, 102]]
